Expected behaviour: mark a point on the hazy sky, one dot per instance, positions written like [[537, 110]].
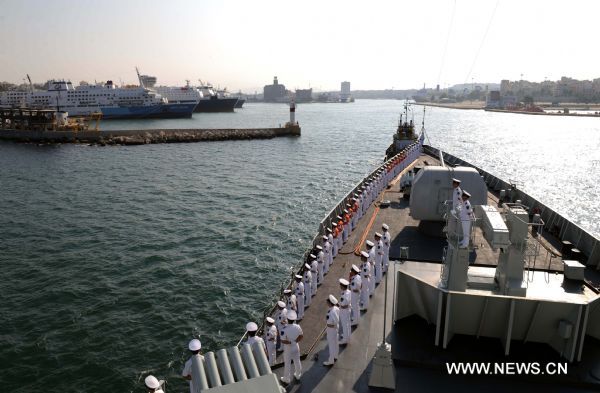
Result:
[[243, 44]]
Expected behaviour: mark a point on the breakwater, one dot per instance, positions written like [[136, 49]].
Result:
[[142, 137]]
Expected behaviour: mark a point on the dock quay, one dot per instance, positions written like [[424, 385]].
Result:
[[142, 137], [425, 253]]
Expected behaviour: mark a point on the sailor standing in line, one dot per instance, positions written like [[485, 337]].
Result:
[[314, 270], [299, 292], [363, 201], [330, 240], [371, 261], [321, 263], [334, 241], [333, 320], [466, 215], [307, 285], [194, 347], [271, 340], [355, 285], [340, 227], [456, 195], [152, 384], [290, 300], [346, 220], [291, 335], [280, 320], [356, 210], [345, 300], [387, 242], [252, 329], [365, 274], [327, 252], [378, 258]]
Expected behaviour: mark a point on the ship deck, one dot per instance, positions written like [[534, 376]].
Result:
[[352, 370]]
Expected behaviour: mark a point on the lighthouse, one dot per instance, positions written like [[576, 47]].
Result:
[[292, 112]]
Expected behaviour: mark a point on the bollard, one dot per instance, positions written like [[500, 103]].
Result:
[[198, 375], [236, 363], [211, 370], [261, 359], [223, 362], [249, 361]]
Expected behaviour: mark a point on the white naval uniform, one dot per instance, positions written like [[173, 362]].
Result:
[[307, 288], [271, 343], [256, 339], [346, 232], [378, 261], [365, 273], [328, 257], [387, 242], [345, 300], [456, 198], [320, 266], [299, 291], [334, 242], [314, 270], [187, 370], [292, 302], [280, 320], [333, 318], [291, 352], [371, 260], [355, 285], [333, 249], [466, 214]]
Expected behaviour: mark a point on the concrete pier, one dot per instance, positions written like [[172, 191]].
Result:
[[141, 137]]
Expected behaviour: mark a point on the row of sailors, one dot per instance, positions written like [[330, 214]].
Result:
[[282, 331]]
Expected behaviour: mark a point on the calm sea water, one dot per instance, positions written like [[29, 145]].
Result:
[[112, 258]]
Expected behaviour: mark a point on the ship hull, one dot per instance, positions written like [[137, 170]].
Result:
[[165, 111], [214, 104], [240, 102]]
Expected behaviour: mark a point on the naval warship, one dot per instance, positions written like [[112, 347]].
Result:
[[518, 308]]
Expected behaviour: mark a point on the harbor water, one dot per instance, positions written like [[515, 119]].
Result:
[[113, 258]]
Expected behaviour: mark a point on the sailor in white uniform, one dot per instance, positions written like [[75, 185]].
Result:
[[321, 263], [340, 236], [333, 320], [314, 270], [371, 261], [290, 300], [378, 258], [291, 335], [307, 285], [152, 384], [346, 220], [299, 292], [355, 286], [327, 251], [345, 301], [365, 274], [466, 216], [252, 329], [271, 340], [363, 201], [456, 195], [334, 240], [330, 240], [280, 317], [387, 242], [194, 346]]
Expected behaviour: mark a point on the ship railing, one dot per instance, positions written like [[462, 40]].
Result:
[[323, 225]]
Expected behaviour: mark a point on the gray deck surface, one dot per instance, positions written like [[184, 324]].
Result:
[[351, 372]]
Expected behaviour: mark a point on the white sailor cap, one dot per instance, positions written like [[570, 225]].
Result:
[[251, 327], [455, 180], [299, 277], [385, 226], [332, 300], [281, 304], [369, 243], [270, 320], [346, 211], [319, 247], [291, 315], [325, 237], [329, 229], [306, 266], [152, 382], [466, 194], [355, 195], [344, 282], [194, 345], [354, 198], [287, 291], [339, 217], [349, 205], [334, 224], [313, 256], [377, 234], [356, 268], [364, 254]]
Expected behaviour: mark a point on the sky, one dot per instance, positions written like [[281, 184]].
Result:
[[241, 45]]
